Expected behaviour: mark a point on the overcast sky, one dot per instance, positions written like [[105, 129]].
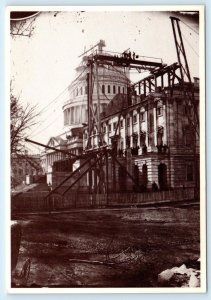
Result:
[[42, 66]]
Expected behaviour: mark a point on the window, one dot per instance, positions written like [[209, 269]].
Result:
[[123, 90], [121, 124], [159, 111], [109, 127], [160, 138], [114, 89], [142, 116], [109, 89], [86, 89], [135, 119], [128, 121], [104, 129], [118, 89], [128, 141], [103, 89], [189, 172], [114, 125], [76, 92], [85, 136], [81, 90]]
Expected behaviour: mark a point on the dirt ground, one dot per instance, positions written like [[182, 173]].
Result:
[[107, 248]]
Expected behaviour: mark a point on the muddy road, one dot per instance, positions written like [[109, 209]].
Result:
[[107, 248]]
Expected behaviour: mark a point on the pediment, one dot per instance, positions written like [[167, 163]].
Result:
[[52, 142]]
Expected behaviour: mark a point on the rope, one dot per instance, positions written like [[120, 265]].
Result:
[[190, 27], [190, 45]]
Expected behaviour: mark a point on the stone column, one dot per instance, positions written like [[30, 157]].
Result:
[[131, 129], [68, 117], [146, 120], [72, 115], [139, 131], [47, 161], [107, 130], [65, 117], [155, 125], [124, 132], [138, 124], [164, 125], [76, 114]]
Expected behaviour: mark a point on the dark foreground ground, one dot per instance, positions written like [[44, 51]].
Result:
[[107, 248]]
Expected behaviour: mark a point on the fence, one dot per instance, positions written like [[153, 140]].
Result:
[[35, 202]]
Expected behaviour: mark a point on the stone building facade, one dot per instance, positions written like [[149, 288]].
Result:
[[153, 139], [25, 169]]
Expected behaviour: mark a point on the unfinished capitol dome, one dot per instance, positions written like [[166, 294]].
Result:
[[108, 81]]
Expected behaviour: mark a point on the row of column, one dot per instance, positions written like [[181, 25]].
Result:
[[139, 127], [54, 156], [75, 115]]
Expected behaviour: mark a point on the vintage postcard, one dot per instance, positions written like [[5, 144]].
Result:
[[107, 149]]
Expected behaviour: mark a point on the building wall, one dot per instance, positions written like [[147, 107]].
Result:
[[22, 167], [161, 124]]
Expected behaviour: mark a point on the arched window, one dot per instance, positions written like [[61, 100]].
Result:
[[109, 89], [103, 89], [160, 136], [123, 90], [119, 90], [114, 89], [142, 138], [162, 176]]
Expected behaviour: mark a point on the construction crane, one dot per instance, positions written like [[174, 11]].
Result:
[[188, 92], [185, 77], [98, 157]]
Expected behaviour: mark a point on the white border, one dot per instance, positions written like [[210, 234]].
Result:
[[201, 289]]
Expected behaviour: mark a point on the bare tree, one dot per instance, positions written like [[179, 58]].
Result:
[[22, 23], [22, 28], [22, 119]]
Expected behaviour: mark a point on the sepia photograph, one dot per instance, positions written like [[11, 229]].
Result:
[[107, 149]]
